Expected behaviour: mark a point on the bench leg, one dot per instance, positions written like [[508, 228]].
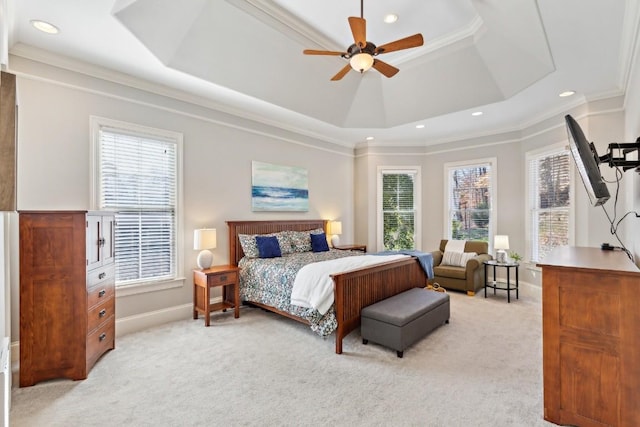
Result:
[[364, 341], [400, 354]]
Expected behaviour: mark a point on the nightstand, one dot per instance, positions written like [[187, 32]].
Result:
[[218, 275], [352, 247]]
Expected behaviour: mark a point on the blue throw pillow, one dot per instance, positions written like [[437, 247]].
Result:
[[319, 243], [268, 247]]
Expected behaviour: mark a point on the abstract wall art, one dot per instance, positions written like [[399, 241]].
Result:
[[278, 188]]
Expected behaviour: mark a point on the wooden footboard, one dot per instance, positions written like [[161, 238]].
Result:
[[357, 289], [354, 289]]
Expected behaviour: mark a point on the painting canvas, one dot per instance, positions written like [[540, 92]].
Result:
[[279, 188]]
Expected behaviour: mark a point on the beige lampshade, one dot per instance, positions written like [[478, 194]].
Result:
[[501, 242], [335, 227], [204, 238]]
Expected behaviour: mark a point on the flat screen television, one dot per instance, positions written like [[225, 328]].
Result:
[[587, 161]]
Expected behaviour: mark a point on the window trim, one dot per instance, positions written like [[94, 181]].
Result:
[[493, 188], [538, 153], [417, 202], [97, 123]]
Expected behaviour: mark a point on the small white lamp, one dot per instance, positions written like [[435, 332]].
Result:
[[335, 229], [501, 244], [203, 240]]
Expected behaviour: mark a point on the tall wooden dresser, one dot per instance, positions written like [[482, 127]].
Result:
[[591, 337], [67, 293]]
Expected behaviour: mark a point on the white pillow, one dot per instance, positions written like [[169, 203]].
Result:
[[457, 259]]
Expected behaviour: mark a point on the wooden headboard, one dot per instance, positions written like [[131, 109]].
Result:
[[265, 227]]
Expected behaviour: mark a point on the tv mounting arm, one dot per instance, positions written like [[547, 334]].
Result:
[[617, 155]]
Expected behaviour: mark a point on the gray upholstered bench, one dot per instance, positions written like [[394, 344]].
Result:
[[401, 320]]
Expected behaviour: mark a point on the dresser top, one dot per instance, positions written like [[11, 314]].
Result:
[[589, 258]]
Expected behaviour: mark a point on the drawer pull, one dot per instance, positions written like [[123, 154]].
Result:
[[223, 278], [102, 313], [102, 275], [101, 293], [102, 336]]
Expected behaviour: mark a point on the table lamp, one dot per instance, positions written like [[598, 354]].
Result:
[[501, 244], [335, 229], [203, 240]]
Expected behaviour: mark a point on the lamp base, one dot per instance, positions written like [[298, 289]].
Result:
[[335, 240], [205, 259], [501, 256]]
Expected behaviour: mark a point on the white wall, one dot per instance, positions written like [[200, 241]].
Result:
[[53, 164], [631, 133], [5, 299]]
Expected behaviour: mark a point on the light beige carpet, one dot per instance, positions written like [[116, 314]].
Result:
[[482, 369]]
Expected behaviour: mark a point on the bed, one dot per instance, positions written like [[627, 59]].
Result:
[[353, 290]]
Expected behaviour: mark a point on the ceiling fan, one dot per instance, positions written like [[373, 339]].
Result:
[[361, 53]]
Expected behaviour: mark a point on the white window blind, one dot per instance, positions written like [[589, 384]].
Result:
[[470, 201], [138, 181], [399, 209], [549, 201]]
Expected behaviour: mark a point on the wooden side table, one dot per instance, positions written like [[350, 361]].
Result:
[[218, 275], [352, 247]]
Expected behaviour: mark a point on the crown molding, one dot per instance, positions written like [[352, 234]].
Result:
[[270, 13], [629, 42], [48, 58]]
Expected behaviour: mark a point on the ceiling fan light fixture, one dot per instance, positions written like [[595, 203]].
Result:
[[361, 62]]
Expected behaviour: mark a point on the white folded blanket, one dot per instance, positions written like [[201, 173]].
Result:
[[313, 286]]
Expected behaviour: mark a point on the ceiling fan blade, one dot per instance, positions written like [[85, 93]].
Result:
[[384, 68], [341, 73], [405, 43], [322, 52], [359, 30]]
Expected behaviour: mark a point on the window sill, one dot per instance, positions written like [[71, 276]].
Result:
[[141, 288]]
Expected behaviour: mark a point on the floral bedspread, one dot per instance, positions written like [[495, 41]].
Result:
[[270, 281]]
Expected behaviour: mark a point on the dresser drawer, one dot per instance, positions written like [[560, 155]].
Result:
[[223, 279], [100, 313], [100, 340], [101, 274], [100, 293]]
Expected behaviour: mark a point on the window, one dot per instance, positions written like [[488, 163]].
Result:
[[137, 176], [550, 213], [470, 213], [398, 214]]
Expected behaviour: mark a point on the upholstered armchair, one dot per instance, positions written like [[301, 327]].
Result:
[[468, 278]]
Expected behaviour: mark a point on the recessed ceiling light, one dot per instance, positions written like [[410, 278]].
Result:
[[369, 138], [419, 126], [477, 113], [390, 18], [566, 93], [45, 27]]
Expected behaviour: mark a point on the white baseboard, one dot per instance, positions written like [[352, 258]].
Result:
[[138, 322], [129, 324]]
